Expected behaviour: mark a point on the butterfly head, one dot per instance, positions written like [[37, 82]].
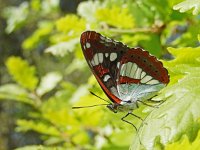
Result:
[[123, 107], [113, 107]]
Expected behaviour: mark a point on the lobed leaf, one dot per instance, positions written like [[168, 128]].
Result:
[[15, 92], [70, 24], [38, 36], [39, 147], [16, 16], [63, 48], [187, 5], [22, 72], [48, 82], [40, 127], [108, 15], [179, 114]]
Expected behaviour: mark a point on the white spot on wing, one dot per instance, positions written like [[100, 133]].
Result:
[[92, 62], [96, 60], [133, 70], [118, 63], [87, 45], [84, 47], [108, 40], [146, 79], [138, 73], [143, 74], [106, 77], [122, 70], [102, 37], [113, 56], [100, 57], [128, 69], [153, 82], [106, 54]]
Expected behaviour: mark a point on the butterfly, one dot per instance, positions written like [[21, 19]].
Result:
[[126, 75]]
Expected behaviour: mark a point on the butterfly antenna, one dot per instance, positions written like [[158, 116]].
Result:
[[100, 97], [77, 107]]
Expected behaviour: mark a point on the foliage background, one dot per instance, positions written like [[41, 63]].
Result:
[[43, 74]]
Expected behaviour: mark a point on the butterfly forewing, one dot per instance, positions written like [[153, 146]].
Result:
[[103, 55]]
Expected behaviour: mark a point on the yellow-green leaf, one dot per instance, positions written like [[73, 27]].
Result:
[[22, 72], [108, 15]]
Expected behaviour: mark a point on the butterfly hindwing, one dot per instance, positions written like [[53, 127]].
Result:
[[141, 75], [140, 67]]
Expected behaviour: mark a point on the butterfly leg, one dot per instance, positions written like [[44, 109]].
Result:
[[123, 119], [150, 100], [147, 104], [136, 116]]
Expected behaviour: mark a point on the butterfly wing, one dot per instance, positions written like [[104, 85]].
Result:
[[103, 55], [124, 74], [141, 75]]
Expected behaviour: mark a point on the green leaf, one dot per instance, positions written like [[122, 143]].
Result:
[[39, 147], [70, 24], [179, 114], [87, 10], [15, 92], [16, 16], [39, 36], [22, 72], [40, 127], [63, 48], [48, 82], [108, 15], [187, 5], [56, 111], [76, 64], [184, 144], [152, 40]]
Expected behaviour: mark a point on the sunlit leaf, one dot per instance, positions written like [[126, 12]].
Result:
[[39, 147], [184, 144], [70, 24], [61, 49], [76, 64], [16, 16], [49, 5], [187, 5], [108, 15], [45, 28], [179, 114], [40, 127], [87, 9], [14, 92], [22, 72], [48, 82], [57, 111]]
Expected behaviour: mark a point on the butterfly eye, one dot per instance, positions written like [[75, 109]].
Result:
[[129, 101]]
